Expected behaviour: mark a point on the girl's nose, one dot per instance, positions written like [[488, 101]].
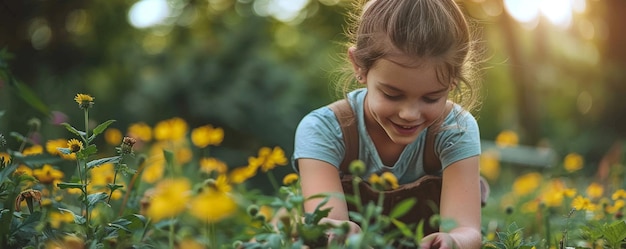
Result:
[[410, 111]]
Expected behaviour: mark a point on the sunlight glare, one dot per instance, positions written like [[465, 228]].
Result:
[[283, 10], [558, 12], [523, 10], [147, 13]]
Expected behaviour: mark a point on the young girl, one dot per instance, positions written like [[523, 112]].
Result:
[[413, 59]]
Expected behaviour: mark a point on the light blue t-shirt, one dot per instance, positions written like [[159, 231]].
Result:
[[319, 136]]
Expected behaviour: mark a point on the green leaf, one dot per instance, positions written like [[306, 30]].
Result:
[[93, 199], [64, 151], [274, 241], [402, 227], [78, 219], [31, 98], [86, 152], [18, 137], [101, 127], [64, 185], [37, 160], [615, 232], [318, 213], [114, 187], [169, 157], [419, 232], [74, 130], [101, 161], [32, 220], [402, 208]]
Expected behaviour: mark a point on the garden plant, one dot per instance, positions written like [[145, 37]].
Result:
[[162, 188]]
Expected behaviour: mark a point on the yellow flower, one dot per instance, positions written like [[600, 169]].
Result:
[[530, 207], [74, 145], [273, 157], [490, 165], [570, 192], [594, 190], [102, 174], [241, 174], [5, 157], [47, 174], [58, 218], [183, 155], [619, 194], [173, 129], [211, 164], [212, 206], [552, 198], [582, 203], [170, 198], [190, 244], [390, 180], [33, 150], [554, 193], [204, 136], [526, 184], [113, 136], [616, 207], [84, 100], [140, 131], [52, 147], [290, 178], [375, 180], [255, 162], [23, 169], [573, 162], [154, 171], [507, 138], [222, 184]]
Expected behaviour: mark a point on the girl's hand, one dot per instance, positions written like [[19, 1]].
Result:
[[353, 229], [438, 241]]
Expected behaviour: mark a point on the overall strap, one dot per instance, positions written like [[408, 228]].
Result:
[[432, 164], [345, 115]]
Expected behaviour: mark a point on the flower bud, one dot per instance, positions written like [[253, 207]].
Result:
[[357, 168], [253, 210], [3, 141], [127, 145]]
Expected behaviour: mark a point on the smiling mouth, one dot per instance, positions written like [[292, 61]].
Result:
[[406, 129]]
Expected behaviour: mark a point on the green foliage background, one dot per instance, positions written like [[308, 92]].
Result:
[[220, 62]]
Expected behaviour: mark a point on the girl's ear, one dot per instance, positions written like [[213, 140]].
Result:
[[359, 72]]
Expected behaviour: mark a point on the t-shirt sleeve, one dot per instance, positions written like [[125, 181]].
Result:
[[458, 140], [318, 136]]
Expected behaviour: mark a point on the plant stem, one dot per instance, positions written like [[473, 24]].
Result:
[[546, 217], [114, 179], [86, 126], [131, 185], [357, 194], [171, 235], [270, 175]]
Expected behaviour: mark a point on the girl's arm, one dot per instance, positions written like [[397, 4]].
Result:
[[317, 177], [460, 201]]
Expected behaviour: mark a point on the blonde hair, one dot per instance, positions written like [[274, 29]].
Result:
[[420, 29]]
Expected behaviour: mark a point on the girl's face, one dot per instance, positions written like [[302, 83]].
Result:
[[402, 101]]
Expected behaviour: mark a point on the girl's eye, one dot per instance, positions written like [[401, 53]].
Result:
[[431, 100], [392, 97]]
